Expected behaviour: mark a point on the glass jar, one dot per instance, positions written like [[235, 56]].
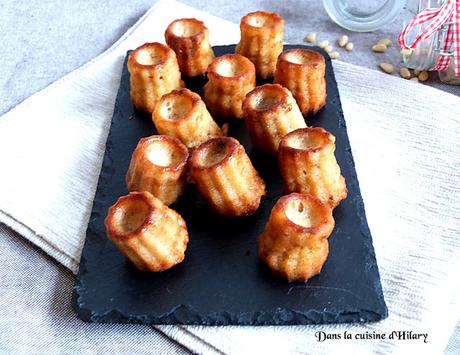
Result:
[[363, 15], [428, 52]]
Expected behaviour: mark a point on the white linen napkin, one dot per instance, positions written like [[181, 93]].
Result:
[[405, 142]]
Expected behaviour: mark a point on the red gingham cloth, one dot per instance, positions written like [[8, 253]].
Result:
[[449, 11]]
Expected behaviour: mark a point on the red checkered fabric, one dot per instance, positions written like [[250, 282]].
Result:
[[448, 12]]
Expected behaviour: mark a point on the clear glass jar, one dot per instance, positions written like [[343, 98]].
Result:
[[363, 15]]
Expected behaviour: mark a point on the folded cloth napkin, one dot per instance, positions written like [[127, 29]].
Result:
[[405, 142]]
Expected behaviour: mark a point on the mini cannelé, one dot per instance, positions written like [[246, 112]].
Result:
[[158, 165], [154, 72], [182, 114], [189, 38], [226, 178], [302, 71], [153, 236], [231, 77], [270, 112], [294, 242], [308, 165], [261, 40]]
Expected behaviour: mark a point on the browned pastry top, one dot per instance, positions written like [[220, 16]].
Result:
[[177, 105], [305, 214], [164, 152], [131, 214], [213, 153], [302, 57], [309, 139], [150, 55], [232, 67], [266, 98], [186, 28], [262, 19]]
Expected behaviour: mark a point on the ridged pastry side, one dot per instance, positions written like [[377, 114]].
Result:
[[303, 72], [189, 38], [158, 165], [153, 236], [230, 78], [182, 114], [154, 72], [270, 112], [226, 178], [294, 242], [308, 165], [261, 40]]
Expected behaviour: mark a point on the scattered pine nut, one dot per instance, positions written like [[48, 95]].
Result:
[[343, 40], [349, 46], [387, 67], [379, 48], [311, 37], [328, 48], [405, 73], [414, 79], [385, 41], [323, 44], [406, 52], [334, 54], [423, 76]]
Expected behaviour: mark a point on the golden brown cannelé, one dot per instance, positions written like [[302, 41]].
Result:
[[153, 236], [226, 178], [230, 78], [182, 114], [294, 243], [308, 165], [303, 72], [270, 112], [261, 40], [154, 72], [189, 38], [158, 165]]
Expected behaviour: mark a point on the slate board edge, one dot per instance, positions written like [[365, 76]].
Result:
[[282, 316]]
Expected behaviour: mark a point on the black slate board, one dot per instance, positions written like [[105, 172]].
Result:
[[221, 281]]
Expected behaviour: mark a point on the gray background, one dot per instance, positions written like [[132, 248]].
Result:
[[41, 42]]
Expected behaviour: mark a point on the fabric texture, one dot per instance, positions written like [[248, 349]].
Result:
[[404, 139]]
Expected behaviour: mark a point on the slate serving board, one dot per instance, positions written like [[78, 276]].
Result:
[[221, 281]]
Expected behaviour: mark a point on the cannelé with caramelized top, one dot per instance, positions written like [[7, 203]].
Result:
[[226, 178], [294, 242], [230, 78], [302, 71], [270, 112], [182, 114], [308, 165], [154, 72], [261, 40], [158, 165], [153, 236], [189, 38]]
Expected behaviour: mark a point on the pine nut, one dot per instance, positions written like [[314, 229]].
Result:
[[385, 41], [349, 46], [423, 76], [387, 67], [328, 48], [379, 48], [405, 73], [323, 44], [311, 37], [334, 54], [406, 52], [343, 40]]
